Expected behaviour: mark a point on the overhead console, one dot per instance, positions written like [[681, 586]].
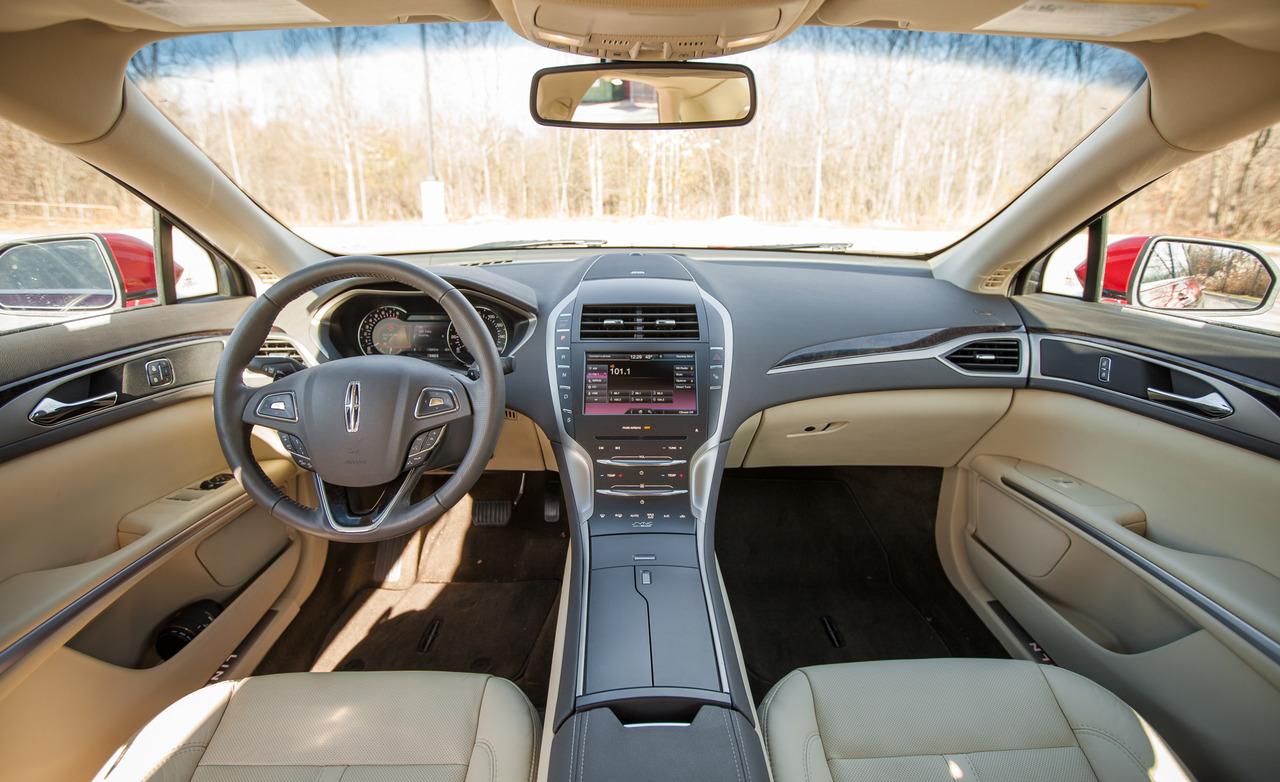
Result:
[[639, 365], [646, 31]]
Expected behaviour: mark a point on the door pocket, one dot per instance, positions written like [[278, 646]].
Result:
[[1098, 595]]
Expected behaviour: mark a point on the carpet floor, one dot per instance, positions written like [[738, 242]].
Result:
[[830, 565], [480, 599]]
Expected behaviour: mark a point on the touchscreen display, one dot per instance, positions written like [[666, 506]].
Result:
[[640, 384]]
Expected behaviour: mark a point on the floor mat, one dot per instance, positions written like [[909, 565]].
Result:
[[484, 600], [838, 565], [480, 628]]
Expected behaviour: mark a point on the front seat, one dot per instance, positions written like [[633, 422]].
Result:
[[956, 719], [322, 727]]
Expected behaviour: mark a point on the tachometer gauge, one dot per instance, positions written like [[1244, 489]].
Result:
[[385, 330], [497, 330]]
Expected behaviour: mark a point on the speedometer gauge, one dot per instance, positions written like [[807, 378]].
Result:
[[385, 330], [497, 330]]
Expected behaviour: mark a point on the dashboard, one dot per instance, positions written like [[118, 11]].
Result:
[[397, 321], [805, 329]]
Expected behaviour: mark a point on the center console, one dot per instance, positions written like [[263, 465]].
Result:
[[640, 357]]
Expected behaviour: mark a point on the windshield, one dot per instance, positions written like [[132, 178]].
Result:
[[412, 138]]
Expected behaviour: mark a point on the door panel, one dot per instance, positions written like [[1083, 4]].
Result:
[[1138, 553], [110, 525], [67, 718]]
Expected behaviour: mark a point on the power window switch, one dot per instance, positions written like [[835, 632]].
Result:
[[159, 372]]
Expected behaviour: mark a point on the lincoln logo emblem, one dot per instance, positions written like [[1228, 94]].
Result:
[[352, 406]]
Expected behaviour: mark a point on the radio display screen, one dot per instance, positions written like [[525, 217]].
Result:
[[640, 384]]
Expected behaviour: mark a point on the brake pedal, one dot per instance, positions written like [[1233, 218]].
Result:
[[491, 513]]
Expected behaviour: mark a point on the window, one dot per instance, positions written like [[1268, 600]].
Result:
[[420, 138], [75, 244], [1063, 271], [1202, 242]]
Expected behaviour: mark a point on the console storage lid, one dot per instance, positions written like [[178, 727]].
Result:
[[717, 745]]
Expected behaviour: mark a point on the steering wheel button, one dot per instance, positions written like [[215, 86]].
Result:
[[434, 401], [422, 443], [281, 406], [293, 444]]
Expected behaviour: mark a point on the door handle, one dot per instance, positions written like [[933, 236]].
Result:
[[1211, 404], [51, 411]]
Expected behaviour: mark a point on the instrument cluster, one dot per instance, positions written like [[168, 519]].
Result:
[[394, 323]]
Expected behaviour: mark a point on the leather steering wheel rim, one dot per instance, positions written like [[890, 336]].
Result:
[[481, 399]]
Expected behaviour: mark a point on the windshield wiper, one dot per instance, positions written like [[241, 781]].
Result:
[[835, 247], [524, 244]]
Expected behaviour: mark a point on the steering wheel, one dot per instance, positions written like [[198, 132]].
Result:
[[368, 426]]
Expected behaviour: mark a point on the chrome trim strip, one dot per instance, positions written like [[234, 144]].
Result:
[[136, 568], [702, 469], [581, 481], [937, 352], [406, 487], [1264, 643]]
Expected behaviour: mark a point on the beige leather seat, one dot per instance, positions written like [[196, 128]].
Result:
[[322, 727], [956, 719]]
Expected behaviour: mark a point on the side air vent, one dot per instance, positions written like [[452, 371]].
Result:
[[278, 347], [1001, 356], [264, 273], [638, 321]]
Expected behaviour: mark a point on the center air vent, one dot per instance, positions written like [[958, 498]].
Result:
[[1000, 356], [638, 321]]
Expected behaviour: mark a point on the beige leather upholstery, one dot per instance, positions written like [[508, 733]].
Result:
[[947, 720], [322, 727]]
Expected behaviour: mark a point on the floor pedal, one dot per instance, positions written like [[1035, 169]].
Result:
[[491, 513], [551, 502]]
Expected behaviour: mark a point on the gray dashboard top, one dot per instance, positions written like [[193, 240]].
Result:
[[777, 307]]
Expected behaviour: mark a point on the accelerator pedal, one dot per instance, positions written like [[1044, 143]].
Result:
[[551, 501]]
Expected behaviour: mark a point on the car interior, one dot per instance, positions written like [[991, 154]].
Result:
[[628, 390]]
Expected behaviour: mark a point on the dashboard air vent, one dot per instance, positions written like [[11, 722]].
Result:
[[278, 347], [638, 321], [1001, 356]]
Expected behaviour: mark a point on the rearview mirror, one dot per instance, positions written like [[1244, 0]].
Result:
[[1201, 274], [636, 96], [59, 274]]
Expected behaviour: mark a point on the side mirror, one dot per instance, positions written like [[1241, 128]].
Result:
[[635, 96], [1203, 274], [56, 275]]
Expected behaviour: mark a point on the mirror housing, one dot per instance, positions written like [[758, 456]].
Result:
[[1202, 274], [643, 95], [58, 274]]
